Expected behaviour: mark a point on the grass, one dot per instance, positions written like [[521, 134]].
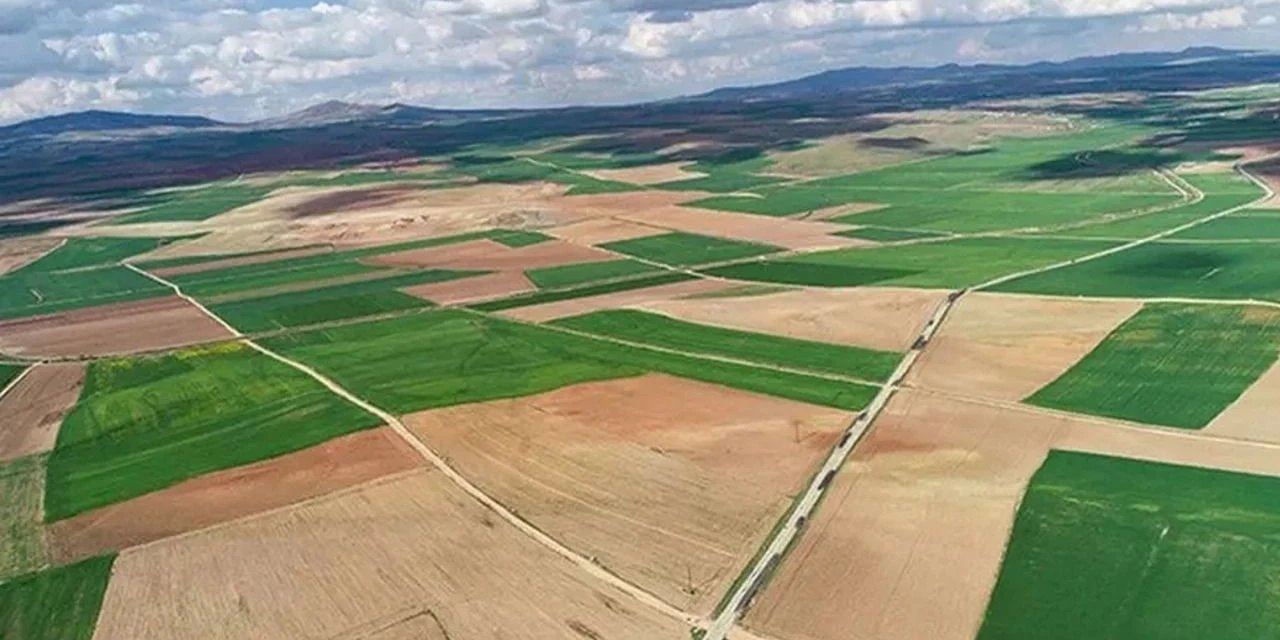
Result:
[[8, 372], [208, 287], [949, 264], [328, 304], [163, 263], [662, 331], [556, 295], [196, 204], [575, 274], [1171, 365], [26, 293], [1243, 225], [1221, 192], [1167, 270], [55, 604], [22, 485], [684, 249], [881, 234], [515, 238], [83, 253], [1113, 549], [720, 182], [145, 423]]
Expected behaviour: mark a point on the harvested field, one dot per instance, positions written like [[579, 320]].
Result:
[[602, 230], [578, 306], [32, 411], [475, 289], [1007, 347], [1253, 416], [670, 483], [909, 541], [887, 319], [227, 495], [781, 232], [237, 261], [16, 253], [351, 200], [365, 562], [489, 255], [647, 174], [25, 548], [126, 327]]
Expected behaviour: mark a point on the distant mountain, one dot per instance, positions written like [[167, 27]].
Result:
[[89, 121], [861, 78], [336, 111]]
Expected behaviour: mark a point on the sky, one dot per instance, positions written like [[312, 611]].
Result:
[[241, 60]]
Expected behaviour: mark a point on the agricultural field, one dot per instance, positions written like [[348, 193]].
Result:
[[55, 604], [684, 249], [22, 485], [194, 204], [576, 274]]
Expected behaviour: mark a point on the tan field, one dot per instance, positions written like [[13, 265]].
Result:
[[876, 318], [364, 563], [25, 547], [32, 410], [126, 327], [578, 306], [669, 483], [488, 255], [780, 232], [473, 289], [1008, 346], [602, 230], [223, 496], [909, 541], [16, 253], [1253, 415], [647, 174]]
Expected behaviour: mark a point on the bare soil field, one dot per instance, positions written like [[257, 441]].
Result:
[[876, 318], [1008, 346], [351, 200], [620, 299], [32, 411], [493, 256], [782, 232], [227, 495], [227, 263], [1253, 415], [670, 483], [16, 253], [909, 541], [126, 327], [367, 561], [648, 174], [602, 230], [474, 289]]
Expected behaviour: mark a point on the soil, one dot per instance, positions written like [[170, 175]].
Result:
[[352, 201], [16, 253], [671, 484], [781, 232], [473, 289], [227, 263], [32, 410], [1009, 346], [126, 327], [888, 319], [363, 562], [493, 256], [648, 174], [598, 231], [578, 306], [1253, 415], [234, 493]]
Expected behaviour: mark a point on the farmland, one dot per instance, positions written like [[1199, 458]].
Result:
[[575, 274], [24, 294], [683, 249], [1170, 365], [55, 604], [585, 291], [145, 423], [196, 204], [1106, 548], [21, 483]]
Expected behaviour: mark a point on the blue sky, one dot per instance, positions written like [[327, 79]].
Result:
[[246, 59]]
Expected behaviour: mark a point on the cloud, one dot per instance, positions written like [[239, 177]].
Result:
[[242, 59]]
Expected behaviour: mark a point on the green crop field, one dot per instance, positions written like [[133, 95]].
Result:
[[1222, 192], [83, 253], [1167, 270], [1114, 549], [720, 182], [1243, 225], [55, 604], [25, 548], [976, 211], [8, 372], [28, 294], [515, 238], [587, 291], [1172, 365], [327, 304], [663, 331], [146, 423], [195, 285], [683, 249], [950, 264], [881, 234], [196, 204], [575, 274]]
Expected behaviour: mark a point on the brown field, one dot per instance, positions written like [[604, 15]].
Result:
[[25, 548], [876, 318], [1009, 346], [669, 483], [1253, 415], [909, 541], [782, 232], [234, 493], [488, 255], [648, 174], [578, 306], [126, 327], [602, 230], [16, 253], [367, 563], [240, 261], [33, 409], [474, 289], [352, 200]]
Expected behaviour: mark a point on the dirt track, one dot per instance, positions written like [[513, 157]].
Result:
[[126, 327]]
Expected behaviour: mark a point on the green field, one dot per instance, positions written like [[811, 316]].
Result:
[[55, 604], [949, 264], [684, 249], [193, 285], [82, 253], [1115, 549], [516, 238], [543, 297], [195, 204], [327, 304], [1171, 365], [146, 423], [574, 274], [163, 263], [662, 331], [34, 293], [1221, 192], [8, 372], [1167, 270], [25, 548], [881, 234], [1242, 225]]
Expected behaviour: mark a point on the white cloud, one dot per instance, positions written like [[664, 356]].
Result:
[[1229, 18]]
